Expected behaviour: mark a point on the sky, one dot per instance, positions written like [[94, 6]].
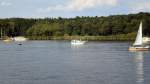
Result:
[[70, 8]]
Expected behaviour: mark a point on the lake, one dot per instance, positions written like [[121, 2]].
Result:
[[57, 62]]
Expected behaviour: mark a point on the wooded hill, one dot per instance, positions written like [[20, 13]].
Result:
[[78, 26]]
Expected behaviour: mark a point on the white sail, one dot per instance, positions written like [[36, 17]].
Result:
[[138, 40]]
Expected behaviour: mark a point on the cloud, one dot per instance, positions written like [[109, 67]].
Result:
[[79, 5], [141, 7], [3, 3]]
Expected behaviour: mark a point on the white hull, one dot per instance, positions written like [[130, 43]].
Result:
[[145, 48], [146, 40], [77, 42], [19, 39], [8, 40]]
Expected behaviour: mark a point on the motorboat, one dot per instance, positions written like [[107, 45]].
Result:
[[77, 42], [19, 39]]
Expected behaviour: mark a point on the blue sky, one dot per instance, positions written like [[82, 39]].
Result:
[[70, 8]]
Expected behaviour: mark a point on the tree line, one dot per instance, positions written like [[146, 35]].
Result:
[[78, 26]]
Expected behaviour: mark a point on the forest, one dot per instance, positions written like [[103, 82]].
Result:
[[98, 26]]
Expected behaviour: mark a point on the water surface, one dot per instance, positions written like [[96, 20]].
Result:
[[57, 62]]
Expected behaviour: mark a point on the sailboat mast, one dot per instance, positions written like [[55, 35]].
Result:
[[141, 32]]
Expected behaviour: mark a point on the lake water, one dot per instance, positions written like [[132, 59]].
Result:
[[57, 62]]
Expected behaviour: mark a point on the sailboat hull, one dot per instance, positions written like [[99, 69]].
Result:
[[138, 48]]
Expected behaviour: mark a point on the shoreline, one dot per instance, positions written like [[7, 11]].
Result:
[[88, 38]]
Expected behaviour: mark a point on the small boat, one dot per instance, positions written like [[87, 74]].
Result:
[[138, 44], [19, 39], [8, 39], [4, 38], [146, 40], [77, 42]]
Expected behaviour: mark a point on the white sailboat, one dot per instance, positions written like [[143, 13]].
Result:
[[138, 44]]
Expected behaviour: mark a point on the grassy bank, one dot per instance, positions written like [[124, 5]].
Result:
[[90, 38]]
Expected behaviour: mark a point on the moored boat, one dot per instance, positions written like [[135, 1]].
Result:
[[19, 39], [77, 42], [8, 39], [146, 40]]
